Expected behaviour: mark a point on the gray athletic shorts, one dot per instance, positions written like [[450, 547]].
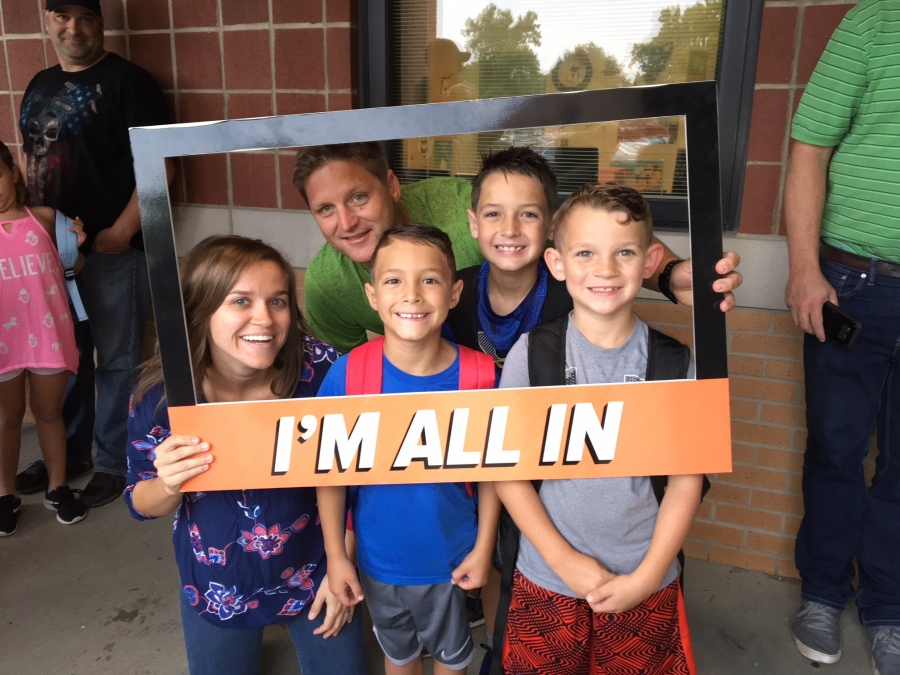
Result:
[[409, 618]]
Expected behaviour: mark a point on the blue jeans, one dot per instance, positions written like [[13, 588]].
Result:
[[78, 403], [116, 294], [222, 651], [848, 395]]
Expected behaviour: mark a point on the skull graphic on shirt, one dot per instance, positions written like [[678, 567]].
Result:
[[49, 118]]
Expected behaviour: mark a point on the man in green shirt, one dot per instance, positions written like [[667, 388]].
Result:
[[355, 197], [842, 209]]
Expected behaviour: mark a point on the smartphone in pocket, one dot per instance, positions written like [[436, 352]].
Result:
[[840, 326]]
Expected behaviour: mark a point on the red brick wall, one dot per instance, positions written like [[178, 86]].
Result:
[[214, 59], [794, 33], [236, 58], [751, 516]]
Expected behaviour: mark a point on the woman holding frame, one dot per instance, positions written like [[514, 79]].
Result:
[[252, 558]]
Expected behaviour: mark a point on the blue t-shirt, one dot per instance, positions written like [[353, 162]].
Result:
[[247, 558], [409, 535]]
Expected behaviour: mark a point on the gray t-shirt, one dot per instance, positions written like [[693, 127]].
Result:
[[609, 519]]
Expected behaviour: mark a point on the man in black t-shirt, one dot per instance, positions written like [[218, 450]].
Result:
[[74, 122]]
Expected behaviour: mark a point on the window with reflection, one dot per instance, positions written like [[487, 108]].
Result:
[[443, 50]]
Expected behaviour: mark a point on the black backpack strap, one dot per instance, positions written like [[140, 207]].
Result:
[[547, 353], [505, 561], [659, 491], [546, 368], [668, 359], [463, 319], [659, 484], [505, 557], [558, 302]]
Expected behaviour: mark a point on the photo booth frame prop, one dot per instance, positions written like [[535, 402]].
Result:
[[683, 414]]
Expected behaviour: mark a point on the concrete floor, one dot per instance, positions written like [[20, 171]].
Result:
[[100, 597]]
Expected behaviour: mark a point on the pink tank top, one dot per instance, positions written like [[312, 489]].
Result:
[[36, 329]]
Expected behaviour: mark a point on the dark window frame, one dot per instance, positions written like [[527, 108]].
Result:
[[735, 81]]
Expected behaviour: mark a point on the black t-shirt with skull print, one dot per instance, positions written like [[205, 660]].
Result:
[[75, 132]]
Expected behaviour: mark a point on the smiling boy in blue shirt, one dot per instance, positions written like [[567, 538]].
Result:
[[419, 546]]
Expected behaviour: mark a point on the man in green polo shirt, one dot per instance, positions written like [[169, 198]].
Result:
[[355, 197], [842, 209]]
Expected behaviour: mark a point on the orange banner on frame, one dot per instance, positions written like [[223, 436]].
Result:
[[585, 431]]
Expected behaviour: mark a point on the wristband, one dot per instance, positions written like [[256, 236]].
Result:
[[665, 278]]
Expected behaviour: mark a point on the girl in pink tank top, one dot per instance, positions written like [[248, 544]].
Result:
[[37, 342]]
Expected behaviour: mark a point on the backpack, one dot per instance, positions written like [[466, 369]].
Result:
[[667, 359], [67, 245], [463, 319], [364, 369]]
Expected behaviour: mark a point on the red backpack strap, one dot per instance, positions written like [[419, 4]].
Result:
[[364, 366], [476, 369]]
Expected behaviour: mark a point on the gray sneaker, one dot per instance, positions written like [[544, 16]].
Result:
[[817, 632], [885, 649]]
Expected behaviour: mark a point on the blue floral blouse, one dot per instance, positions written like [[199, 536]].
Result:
[[247, 558]]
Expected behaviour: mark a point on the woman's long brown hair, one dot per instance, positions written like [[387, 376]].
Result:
[[209, 273]]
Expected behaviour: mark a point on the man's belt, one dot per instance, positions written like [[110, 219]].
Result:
[[882, 267]]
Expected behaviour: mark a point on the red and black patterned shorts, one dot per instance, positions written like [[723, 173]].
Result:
[[552, 634]]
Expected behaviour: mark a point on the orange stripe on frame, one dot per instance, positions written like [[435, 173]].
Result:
[[588, 431]]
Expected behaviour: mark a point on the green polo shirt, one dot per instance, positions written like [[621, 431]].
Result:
[[336, 305], [852, 102]]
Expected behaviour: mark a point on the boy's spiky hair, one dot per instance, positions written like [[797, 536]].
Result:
[[610, 197], [522, 161], [418, 234]]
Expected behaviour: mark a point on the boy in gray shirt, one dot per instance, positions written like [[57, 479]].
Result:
[[596, 588]]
